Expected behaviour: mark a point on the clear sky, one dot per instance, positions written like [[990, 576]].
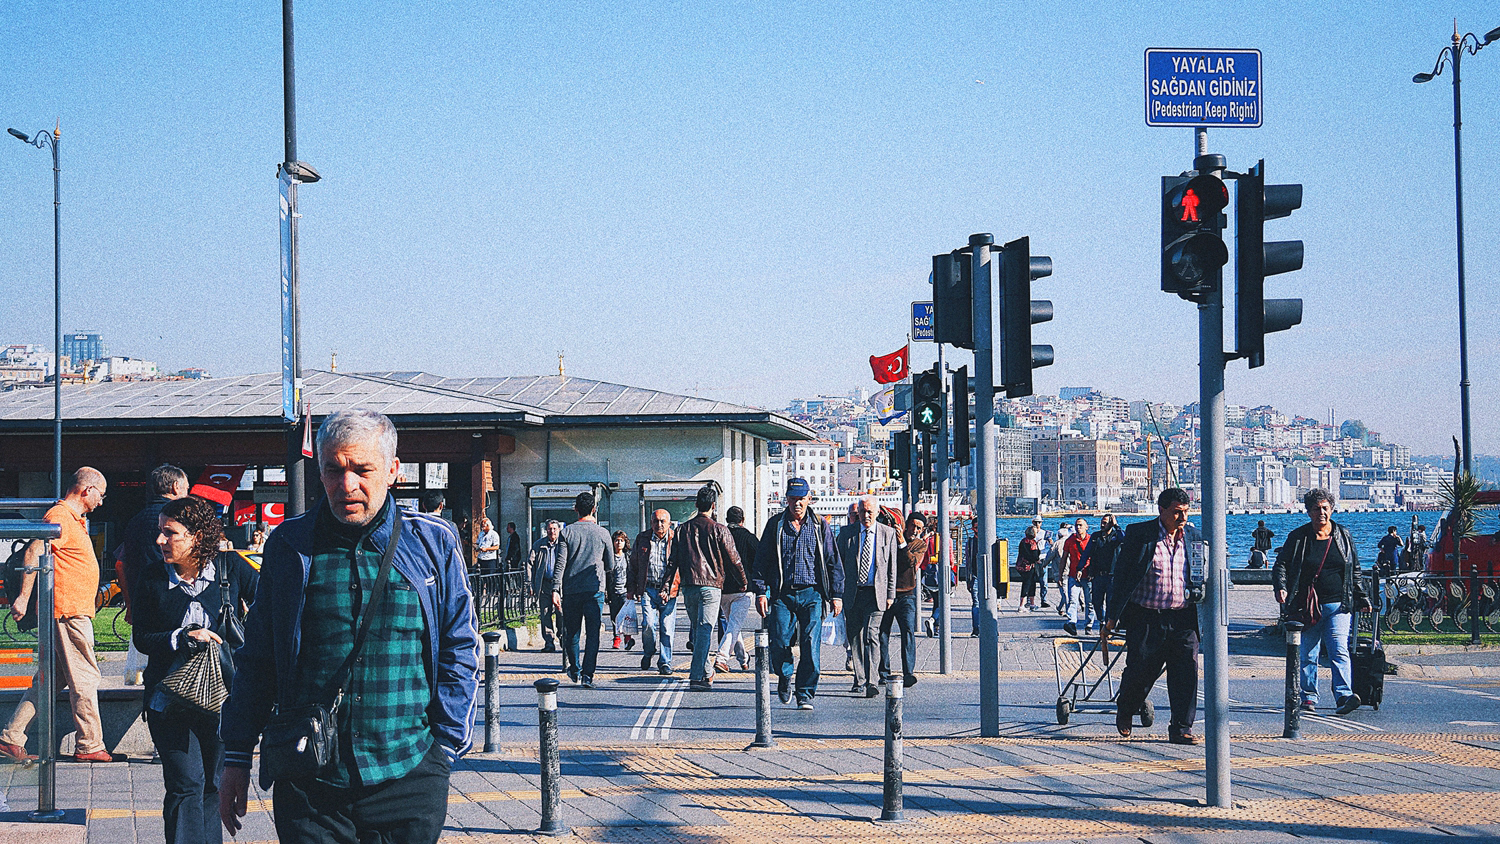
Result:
[[740, 200]]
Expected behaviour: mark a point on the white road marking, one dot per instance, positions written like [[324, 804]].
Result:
[[659, 709]]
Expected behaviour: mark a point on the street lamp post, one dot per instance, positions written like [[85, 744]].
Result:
[[1453, 54], [53, 139]]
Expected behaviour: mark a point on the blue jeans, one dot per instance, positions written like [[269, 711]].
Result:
[[1332, 632], [658, 624], [1081, 592], [797, 616], [703, 615], [582, 613]]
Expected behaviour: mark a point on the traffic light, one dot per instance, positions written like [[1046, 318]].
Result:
[[924, 454], [1255, 316], [927, 405], [898, 458], [960, 437], [953, 299], [1192, 249], [1018, 312]]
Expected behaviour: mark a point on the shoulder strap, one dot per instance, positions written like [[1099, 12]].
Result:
[[366, 615]]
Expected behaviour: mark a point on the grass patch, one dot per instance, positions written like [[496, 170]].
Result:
[[1492, 639]]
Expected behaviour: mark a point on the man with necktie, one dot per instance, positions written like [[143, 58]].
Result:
[[868, 551]]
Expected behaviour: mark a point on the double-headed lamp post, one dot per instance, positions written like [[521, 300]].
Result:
[[52, 139], [1453, 54]]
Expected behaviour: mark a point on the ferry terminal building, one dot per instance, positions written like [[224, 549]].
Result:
[[517, 449]]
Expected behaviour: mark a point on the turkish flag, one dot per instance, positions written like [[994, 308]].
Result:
[[889, 369], [218, 483]]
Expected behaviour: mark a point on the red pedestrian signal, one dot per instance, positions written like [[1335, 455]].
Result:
[[1192, 250]]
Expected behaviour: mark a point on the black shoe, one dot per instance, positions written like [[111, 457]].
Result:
[[804, 704], [1181, 737], [909, 680], [700, 685], [1045, 604], [1070, 628], [573, 675], [664, 670], [784, 689], [549, 648], [586, 682], [646, 664], [1123, 721], [1348, 704], [857, 689], [871, 690]]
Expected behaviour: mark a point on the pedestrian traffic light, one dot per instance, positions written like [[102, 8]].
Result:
[[924, 454], [927, 406], [1255, 316], [960, 438], [898, 458], [1192, 248], [1018, 312], [953, 299]]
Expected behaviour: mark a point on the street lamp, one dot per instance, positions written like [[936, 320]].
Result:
[[52, 139], [1453, 54]]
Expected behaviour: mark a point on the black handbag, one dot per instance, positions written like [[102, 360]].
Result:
[[302, 741]]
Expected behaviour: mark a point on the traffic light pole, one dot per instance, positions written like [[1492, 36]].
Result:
[[1213, 612], [984, 476], [944, 541]]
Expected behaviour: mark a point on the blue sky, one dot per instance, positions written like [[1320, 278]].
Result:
[[740, 199]]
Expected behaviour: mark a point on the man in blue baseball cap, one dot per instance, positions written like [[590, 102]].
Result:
[[797, 574]]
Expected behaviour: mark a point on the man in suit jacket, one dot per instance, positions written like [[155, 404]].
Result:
[[868, 549], [1154, 596]]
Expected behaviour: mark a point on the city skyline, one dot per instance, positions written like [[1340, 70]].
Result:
[[645, 188]]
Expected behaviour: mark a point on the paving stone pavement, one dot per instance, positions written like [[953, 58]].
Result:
[[1388, 787]]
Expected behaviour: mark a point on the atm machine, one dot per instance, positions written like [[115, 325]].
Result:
[[546, 501]]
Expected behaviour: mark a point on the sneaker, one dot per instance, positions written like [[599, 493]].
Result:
[[784, 689], [745, 663], [629, 642], [700, 685], [721, 665], [1070, 628], [15, 752], [1044, 605], [805, 704], [928, 628], [1309, 706], [1088, 629], [586, 682], [1349, 704]]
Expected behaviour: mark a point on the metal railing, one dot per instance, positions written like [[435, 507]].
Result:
[[503, 599], [1422, 603]]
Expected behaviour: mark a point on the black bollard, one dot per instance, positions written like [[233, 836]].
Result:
[[550, 764], [492, 691], [1293, 726], [762, 691], [890, 810]]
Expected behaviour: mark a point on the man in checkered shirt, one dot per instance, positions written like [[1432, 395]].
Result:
[[1153, 598]]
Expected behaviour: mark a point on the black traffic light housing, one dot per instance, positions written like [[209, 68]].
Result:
[[898, 460], [1018, 312], [1255, 316], [953, 299], [1192, 247], [960, 430], [927, 401]]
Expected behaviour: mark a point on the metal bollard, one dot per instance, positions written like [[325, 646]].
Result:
[[890, 810], [1293, 727], [550, 763], [762, 691], [492, 691]]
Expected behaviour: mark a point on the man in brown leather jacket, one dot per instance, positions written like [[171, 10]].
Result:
[[703, 551]]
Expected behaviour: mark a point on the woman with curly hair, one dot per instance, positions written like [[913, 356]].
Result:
[[177, 613]]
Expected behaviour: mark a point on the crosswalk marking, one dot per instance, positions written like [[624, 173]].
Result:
[[655, 721]]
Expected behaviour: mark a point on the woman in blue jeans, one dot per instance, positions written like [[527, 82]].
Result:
[[1320, 556]]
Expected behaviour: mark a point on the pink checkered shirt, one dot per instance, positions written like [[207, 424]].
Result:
[[1164, 585]]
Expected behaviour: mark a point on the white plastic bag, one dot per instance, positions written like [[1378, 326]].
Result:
[[135, 664], [628, 622], [833, 630]]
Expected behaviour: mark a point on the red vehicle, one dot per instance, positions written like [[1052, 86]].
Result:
[[1481, 552]]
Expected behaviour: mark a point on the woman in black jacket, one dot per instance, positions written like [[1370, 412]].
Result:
[[176, 613], [1320, 556]]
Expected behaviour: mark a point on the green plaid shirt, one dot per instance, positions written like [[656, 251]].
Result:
[[383, 731]]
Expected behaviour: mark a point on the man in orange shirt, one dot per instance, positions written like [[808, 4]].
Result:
[[75, 583]]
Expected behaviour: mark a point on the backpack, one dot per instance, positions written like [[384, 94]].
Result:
[[15, 571]]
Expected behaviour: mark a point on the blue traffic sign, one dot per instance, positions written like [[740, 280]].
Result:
[[922, 330], [1219, 88]]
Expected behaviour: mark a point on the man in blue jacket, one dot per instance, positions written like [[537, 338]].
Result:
[[408, 706], [797, 566]]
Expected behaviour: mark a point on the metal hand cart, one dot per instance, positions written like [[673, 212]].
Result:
[[1090, 685]]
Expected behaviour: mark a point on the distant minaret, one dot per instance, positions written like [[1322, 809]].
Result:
[[333, 365], [560, 370]]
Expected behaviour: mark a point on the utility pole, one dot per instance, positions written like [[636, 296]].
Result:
[[984, 476], [944, 541]]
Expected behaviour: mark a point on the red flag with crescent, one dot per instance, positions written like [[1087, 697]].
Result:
[[890, 368]]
